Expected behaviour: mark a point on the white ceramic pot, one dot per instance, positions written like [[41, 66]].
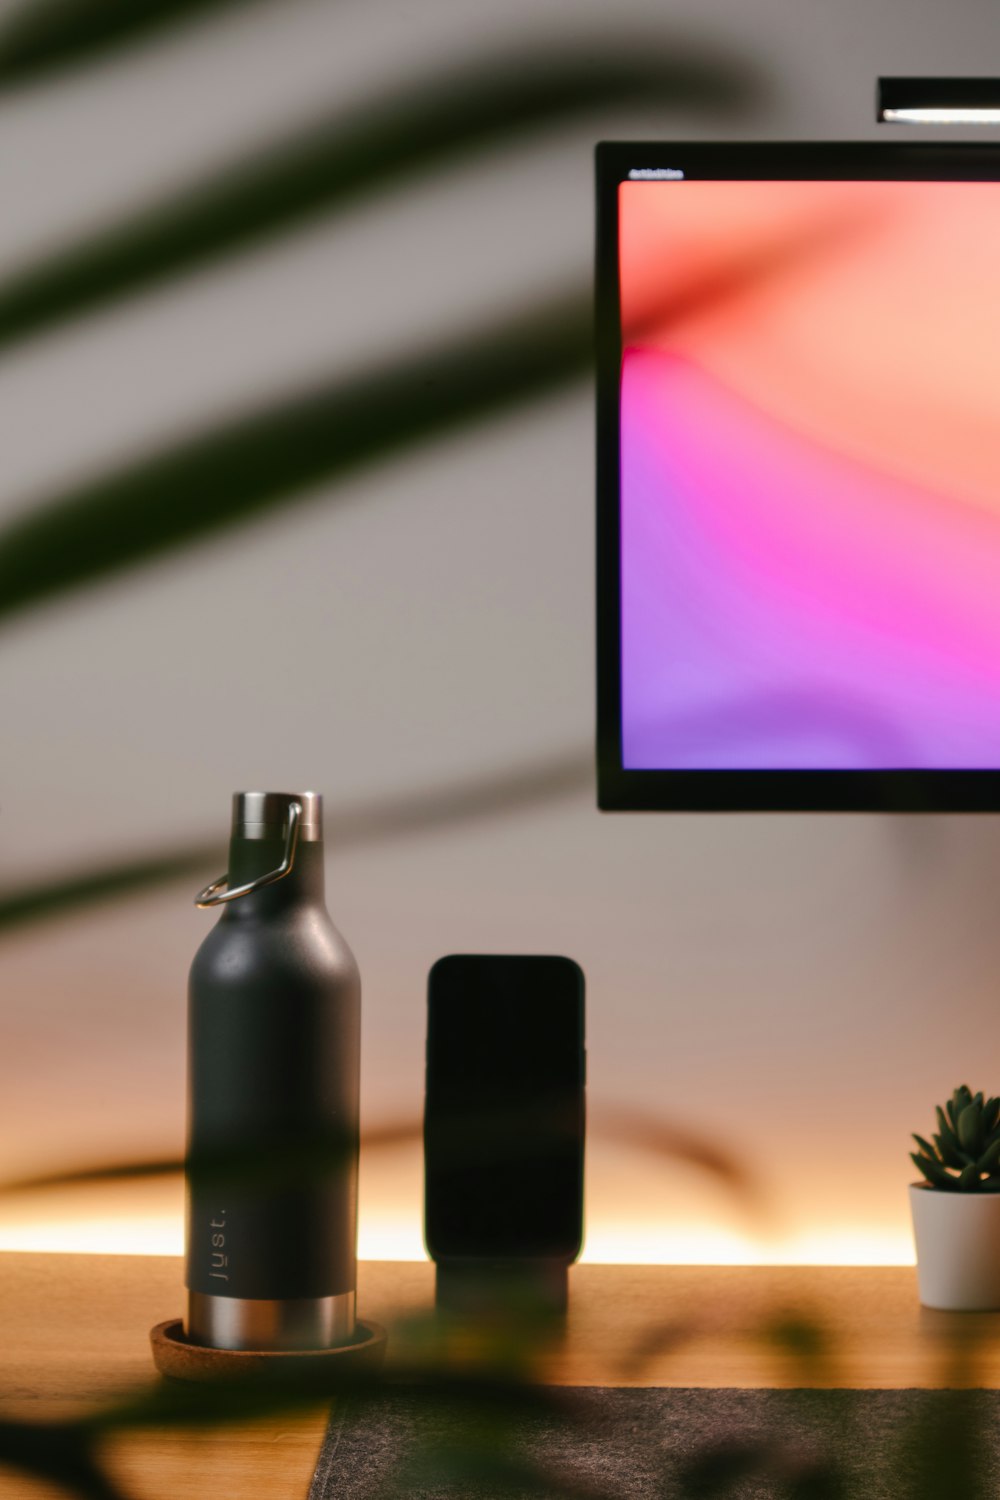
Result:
[[958, 1248]]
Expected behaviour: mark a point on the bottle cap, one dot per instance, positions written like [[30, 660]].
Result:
[[264, 815]]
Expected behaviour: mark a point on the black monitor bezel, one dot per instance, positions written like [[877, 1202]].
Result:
[[620, 789]]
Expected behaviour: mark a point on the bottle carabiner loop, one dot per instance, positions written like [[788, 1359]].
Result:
[[215, 893]]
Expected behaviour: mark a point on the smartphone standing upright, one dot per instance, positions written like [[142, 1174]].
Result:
[[504, 1113]]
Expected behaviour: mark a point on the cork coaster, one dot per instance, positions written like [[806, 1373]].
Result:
[[175, 1357]]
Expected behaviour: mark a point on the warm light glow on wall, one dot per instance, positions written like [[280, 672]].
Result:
[[693, 1244], [95, 1236], [387, 1238], [637, 1214], [108, 1235]]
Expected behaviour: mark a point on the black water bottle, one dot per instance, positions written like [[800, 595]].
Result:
[[273, 1076]]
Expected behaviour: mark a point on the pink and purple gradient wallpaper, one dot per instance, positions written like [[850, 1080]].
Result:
[[810, 475]]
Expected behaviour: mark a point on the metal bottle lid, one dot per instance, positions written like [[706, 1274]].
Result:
[[260, 815]]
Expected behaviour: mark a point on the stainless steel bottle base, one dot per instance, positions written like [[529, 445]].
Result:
[[256, 1323]]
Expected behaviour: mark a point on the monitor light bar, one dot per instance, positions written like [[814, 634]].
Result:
[[938, 101]]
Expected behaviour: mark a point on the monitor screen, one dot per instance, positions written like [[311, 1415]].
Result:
[[799, 468]]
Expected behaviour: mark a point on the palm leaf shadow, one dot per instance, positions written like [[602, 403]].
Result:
[[262, 458], [331, 162], [247, 465], [410, 814], [48, 36], [166, 499], [673, 1141]]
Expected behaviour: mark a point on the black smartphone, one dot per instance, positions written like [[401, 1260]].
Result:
[[504, 1112]]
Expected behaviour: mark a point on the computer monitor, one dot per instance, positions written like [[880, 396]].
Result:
[[799, 476]]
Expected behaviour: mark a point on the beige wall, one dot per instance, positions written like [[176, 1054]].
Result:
[[804, 987]]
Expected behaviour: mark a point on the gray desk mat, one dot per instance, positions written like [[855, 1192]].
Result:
[[596, 1443]]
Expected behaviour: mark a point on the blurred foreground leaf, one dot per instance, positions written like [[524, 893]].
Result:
[[39, 37], [945, 1454], [417, 812], [334, 160], [57, 1453]]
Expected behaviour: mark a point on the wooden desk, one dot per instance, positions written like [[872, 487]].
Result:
[[74, 1333]]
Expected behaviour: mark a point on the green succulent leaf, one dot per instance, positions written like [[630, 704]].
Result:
[[991, 1111], [990, 1159], [933, 1171], [970, 1125], [951, 1154], [926, 1147], [948, 1141], [969, 1178]]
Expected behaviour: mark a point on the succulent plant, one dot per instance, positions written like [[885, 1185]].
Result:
[[965, 1156]]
